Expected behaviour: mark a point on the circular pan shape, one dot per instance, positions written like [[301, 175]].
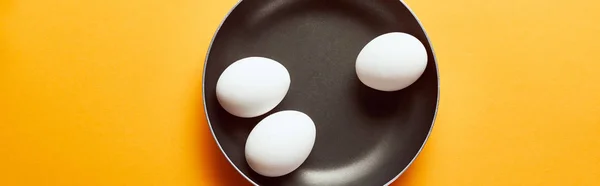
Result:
[[364, 137]]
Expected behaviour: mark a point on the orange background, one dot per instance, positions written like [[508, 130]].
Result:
[[109, 93]]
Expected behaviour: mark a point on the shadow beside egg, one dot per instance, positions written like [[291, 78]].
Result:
[[238, 126], [380, 104], [233, 125]]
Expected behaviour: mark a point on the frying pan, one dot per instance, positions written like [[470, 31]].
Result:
[[364, 136]]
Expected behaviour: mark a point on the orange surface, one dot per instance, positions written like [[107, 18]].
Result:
[[109, 93]]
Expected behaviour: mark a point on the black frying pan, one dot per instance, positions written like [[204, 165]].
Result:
[[364, 137]]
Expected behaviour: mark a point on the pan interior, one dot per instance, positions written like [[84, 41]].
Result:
[[364, 136]]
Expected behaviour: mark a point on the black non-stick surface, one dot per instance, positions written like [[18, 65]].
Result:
[[364, 137]]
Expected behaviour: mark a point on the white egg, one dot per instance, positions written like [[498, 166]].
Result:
[[280, 143], [252, 86], [391, 62]]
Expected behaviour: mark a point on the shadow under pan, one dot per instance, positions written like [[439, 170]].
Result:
[[364, 137]]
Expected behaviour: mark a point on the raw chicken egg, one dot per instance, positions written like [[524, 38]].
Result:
[[280, 143], [252, 86], [391, 62]]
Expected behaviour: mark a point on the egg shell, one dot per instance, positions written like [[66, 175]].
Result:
[[252, 86], [391, 62], [280, 143]]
